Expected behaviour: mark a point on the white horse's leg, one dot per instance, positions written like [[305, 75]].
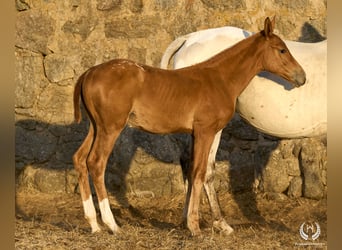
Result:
[[219, 222]]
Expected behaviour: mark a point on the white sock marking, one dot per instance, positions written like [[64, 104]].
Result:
[[90, 214], [107, 216]]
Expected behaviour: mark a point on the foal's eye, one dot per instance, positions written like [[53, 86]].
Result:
[[282, 51]]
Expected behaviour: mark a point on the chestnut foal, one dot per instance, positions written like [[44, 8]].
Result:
[[199, 100]]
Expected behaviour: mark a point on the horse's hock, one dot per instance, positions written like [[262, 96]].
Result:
[[57, 41]]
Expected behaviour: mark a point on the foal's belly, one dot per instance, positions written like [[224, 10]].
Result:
[[160, 122]]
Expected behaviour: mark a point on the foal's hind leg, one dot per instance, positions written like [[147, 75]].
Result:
[[97, 161], [80, 165], [219, 221]]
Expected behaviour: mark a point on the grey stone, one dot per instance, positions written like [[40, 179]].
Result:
[[295, 188], [136, 6], [150, 177], [137, 55], [88, 60], [274, 175], [42, 179], [22, 5], [25, 180], [29, 78], [276, 196], [293, 5], [58, 67], [82, 26], [106, 5], [292, 166], [310, 33], [75, 3], [222, 176], [53, 104], [310, 158], [136, 27], [50, 181], [225, 5], [71, 180], [165, 4], [33, 30], [286, 148]]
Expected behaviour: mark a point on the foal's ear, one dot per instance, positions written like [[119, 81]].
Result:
[[268, 27]]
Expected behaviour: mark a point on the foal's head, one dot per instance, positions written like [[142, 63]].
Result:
[[278, 59]]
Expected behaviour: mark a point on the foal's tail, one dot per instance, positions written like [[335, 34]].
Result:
[[77, 95]]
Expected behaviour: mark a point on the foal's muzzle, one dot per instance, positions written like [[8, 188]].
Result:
[[299, 78]]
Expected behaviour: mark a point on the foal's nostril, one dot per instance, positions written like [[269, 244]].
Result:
[[300, 82], [300, 78]]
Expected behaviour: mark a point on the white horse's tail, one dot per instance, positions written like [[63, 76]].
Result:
[[171, 50]]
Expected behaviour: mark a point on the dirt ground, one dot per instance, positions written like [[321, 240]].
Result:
[[45, 221]]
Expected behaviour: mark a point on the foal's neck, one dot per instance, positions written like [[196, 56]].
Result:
[[239, 63]]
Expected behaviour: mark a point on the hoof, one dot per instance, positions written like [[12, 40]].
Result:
[[116, 230], [197, 235], [195, 232], [95, 230], [223, 227]]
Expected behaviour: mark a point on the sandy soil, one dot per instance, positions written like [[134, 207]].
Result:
[[46, 221]]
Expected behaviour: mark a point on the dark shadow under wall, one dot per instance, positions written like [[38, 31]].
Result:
[[51, 147], [310, 34]]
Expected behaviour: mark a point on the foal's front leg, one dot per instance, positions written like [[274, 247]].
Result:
[[196, 177]]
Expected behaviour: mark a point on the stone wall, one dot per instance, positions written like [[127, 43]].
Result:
[[57, 40]]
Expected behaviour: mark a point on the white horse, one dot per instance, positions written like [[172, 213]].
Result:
[[289, 113]]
